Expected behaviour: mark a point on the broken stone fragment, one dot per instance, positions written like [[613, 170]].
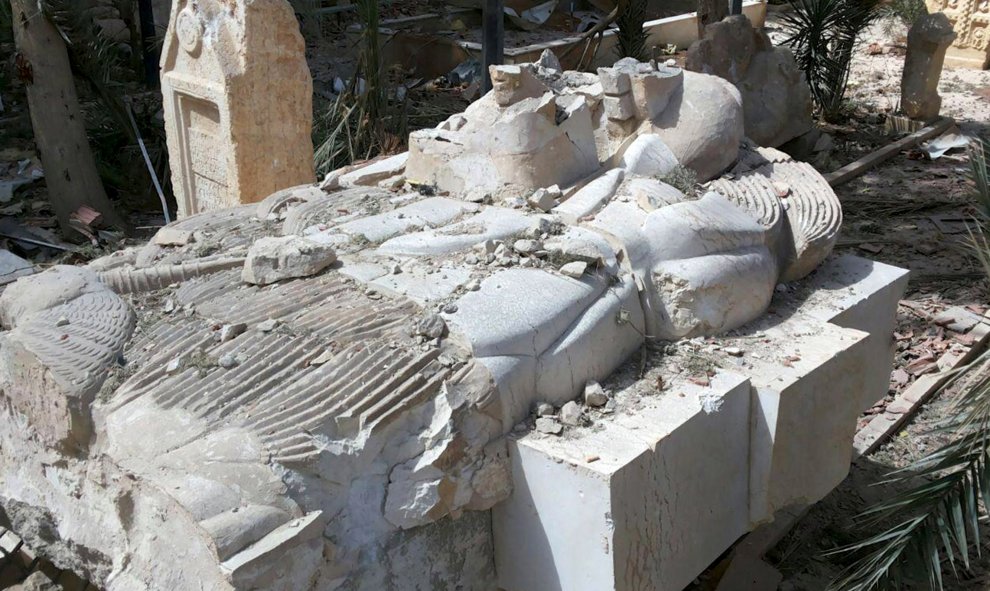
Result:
[[575, 269], [594, 395], [545, 199], [229, 332], [549, 426], [331, 182], [268, 325], [170, 236], [431, 326], [545, 409], [276, 258], [583, 251], [228, 361], [549, 61], [525, 246], [511, 84], [570, 414]]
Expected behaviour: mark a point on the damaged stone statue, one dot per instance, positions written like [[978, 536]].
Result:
[[313, 392]]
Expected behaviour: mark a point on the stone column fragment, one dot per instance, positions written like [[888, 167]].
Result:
[[928, 40]]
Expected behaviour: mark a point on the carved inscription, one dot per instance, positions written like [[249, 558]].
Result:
[[205, 156]]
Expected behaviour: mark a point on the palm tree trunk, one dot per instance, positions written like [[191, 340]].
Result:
[[59, 129]]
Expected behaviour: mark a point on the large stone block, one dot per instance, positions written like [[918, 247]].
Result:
[[666, 492]]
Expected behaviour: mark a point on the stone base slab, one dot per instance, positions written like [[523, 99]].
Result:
[[648, 497]]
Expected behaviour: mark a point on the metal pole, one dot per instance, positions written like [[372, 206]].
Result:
[[735, 7], [493, 39], [148, 40]]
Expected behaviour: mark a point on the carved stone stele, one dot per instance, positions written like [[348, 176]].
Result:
[[238, 102], [971, 21]]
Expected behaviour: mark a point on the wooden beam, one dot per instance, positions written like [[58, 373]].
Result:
[[859, 167]]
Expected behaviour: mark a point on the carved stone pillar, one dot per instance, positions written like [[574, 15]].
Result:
[[238, 102]]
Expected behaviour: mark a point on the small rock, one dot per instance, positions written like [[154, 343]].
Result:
[[549, 61], [734, 351], [594, 395], [545, 199], [331, 182], [782, 189], [268, 325], [570, 414], [473, 285], [579, 250], [169, 306], [471, 259], [229, 332], [396, 269], [545, 409], [322, 358], [431, 326], [575, 269], [549, 426], [526, 246], [169, 236], [486, 247], [228, 361], [450, 308], [62, 321], [173, 366]]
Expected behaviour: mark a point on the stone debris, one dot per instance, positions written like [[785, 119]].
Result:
[[594, 395], [574, 269], [172, 236], [571, 414], [549, 426], [544, 199], [527, 247], [285, 257], [228, 361], [229, 332], [268, 325], [545, 409], [431, 326]]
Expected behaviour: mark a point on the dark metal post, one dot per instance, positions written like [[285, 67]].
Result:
[[493, 39], [149, 43], [735, 7]]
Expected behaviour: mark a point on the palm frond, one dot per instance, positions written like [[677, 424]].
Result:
[[936, 522], [823, 34], [631, 37], [978, 152]]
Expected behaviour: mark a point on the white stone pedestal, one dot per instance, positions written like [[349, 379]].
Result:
[[647, 498]]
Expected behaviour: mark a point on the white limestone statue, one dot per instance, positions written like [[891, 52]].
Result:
[[312, 392]]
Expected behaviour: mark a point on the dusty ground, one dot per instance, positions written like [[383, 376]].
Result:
[[912, 213]]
